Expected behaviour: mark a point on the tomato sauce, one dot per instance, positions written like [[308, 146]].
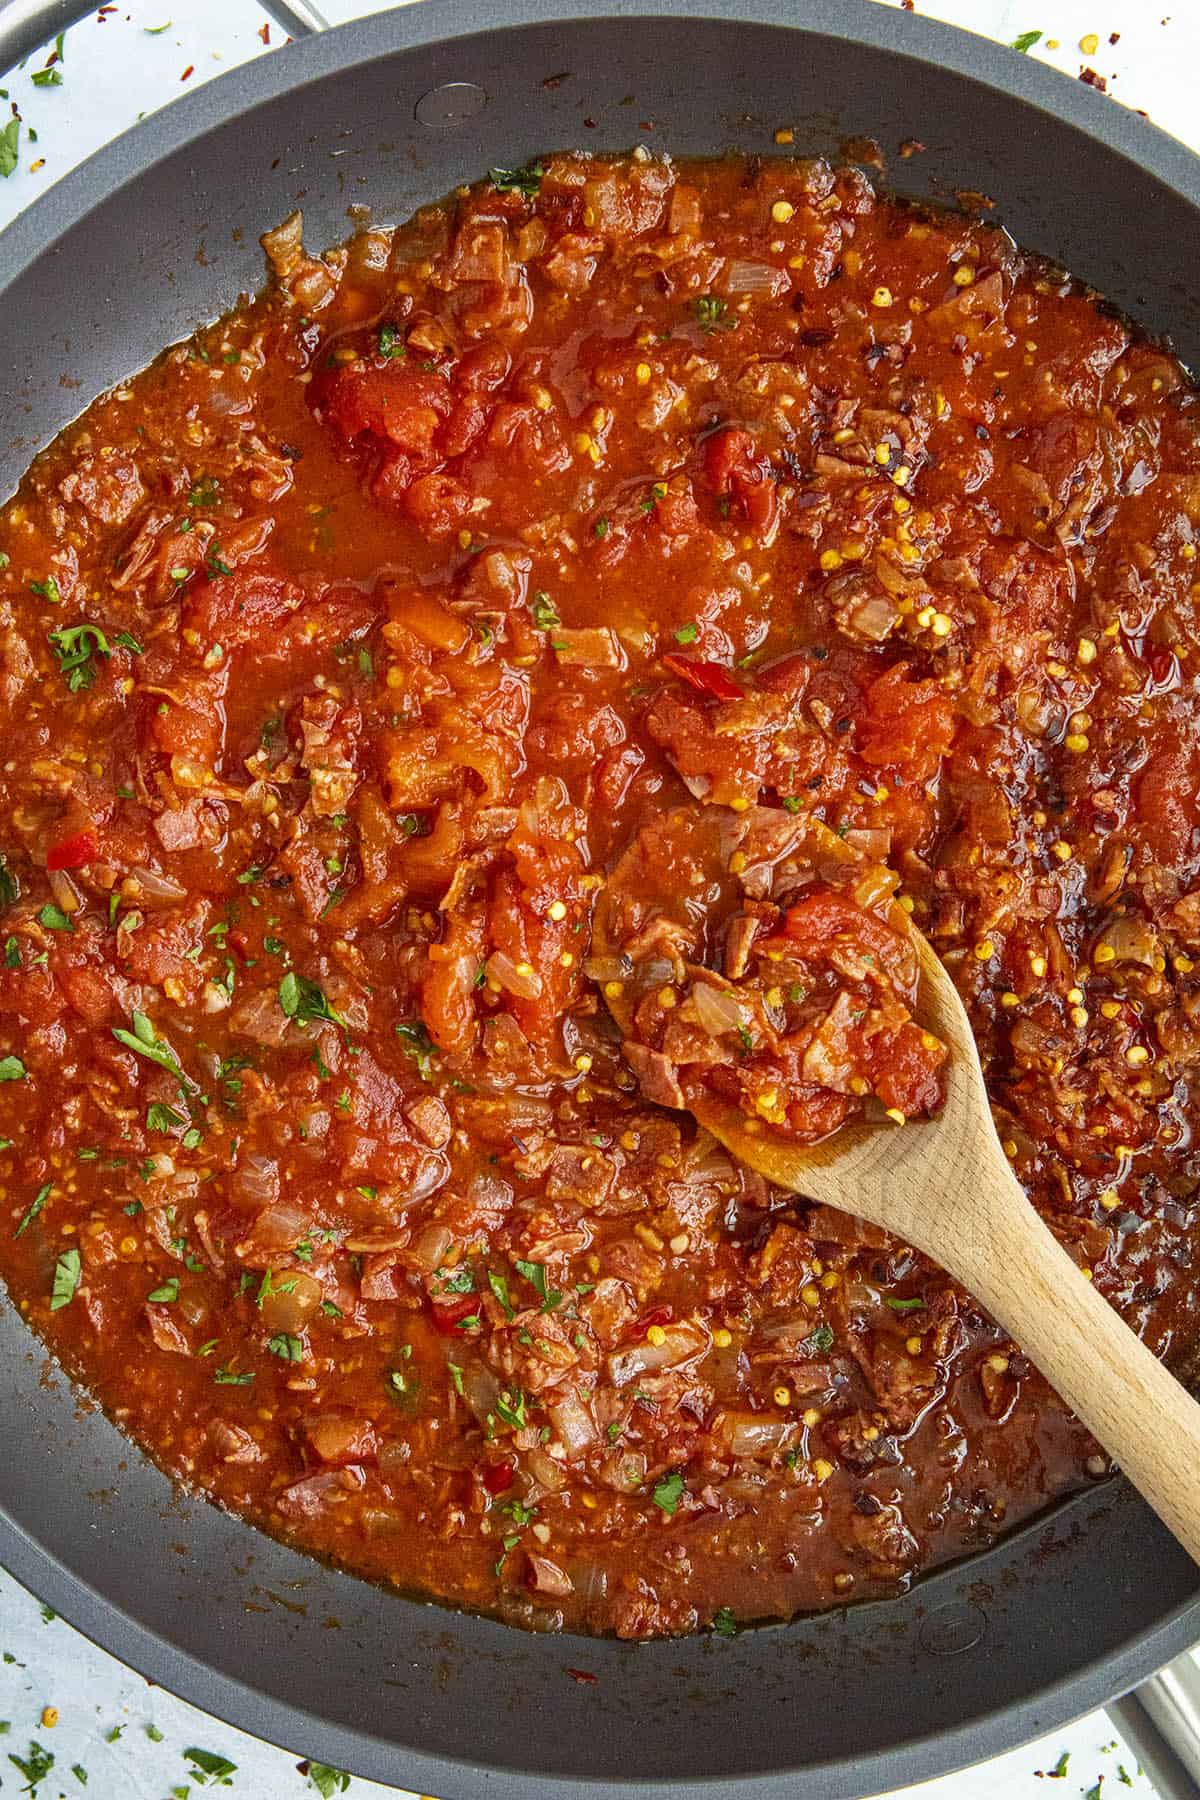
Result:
[[346, 656]]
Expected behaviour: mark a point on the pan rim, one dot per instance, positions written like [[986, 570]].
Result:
[[241, 92]]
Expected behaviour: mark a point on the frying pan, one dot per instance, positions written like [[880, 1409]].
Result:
[[134, 249]]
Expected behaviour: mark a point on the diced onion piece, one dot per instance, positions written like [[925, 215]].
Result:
[[430, 1246], [1131, 939], [572, 1420], [519, 979], [293, 1300], [756, 1434], [872, 841], [717, 1010], [592, 647], [681, 1343], [66, 895], [742, 277]]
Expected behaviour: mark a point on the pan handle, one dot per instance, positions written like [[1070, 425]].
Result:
[[25, 25]]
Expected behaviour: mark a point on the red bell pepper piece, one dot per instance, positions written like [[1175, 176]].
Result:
[[710, 678], [73, 852]]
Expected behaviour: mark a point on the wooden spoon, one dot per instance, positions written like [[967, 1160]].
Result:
[[945, 1186]]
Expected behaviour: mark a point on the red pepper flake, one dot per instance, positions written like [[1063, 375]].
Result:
[[190, 70], [497, 1478], [264, 32], [584, 1675], [1093, 80]]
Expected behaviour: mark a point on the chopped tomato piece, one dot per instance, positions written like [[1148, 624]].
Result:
[[498, 1476], [449, 1314], [731, 467], [73, 852]]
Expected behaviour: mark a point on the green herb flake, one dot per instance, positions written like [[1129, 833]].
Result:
[[167, 1294], [510, 1408], [327, 1781], [48, 589], [904, 1306], [11, 1067], [303, 1001], [154, 1734], [67, 1272], [54, 918], [35, 1765], [419, 1045], [687, 634], [456, 1376], [233, 1377], [524, 181], [499, 1287], [711, 314], [35, 1207], [286, 1347], [10, 887], [668, 1493], [544, 615], [820, 1341], [391, 344], [210, 1767], [10, 146], [162, 1118], [1025, 41], [724, 1623], [47, 78], [535, 1274], [144, 1041]]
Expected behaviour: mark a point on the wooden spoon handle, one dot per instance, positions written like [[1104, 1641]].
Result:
[[1146, 1421]]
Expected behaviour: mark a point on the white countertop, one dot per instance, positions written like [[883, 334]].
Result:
[[112, 1735]]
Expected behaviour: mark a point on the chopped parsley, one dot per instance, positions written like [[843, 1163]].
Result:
[[711, 314], [391, 344], [499, 1287], [67, 1272], [35, 1207], [510, 1408], [10, 887], [724, 1623], [144, 1041], [286, 1347], [419, 1045], [54, 918], [34, 1766], [687, 634], [535, 1274], [668, 1493], [162, 1118], [76, 646], [10, 146], [209, 1767], [48, 589], [302, 1000], [819, 1341], [524, 181], [904, 1306], [47, 78], [11, 1068], [456, 1377], [1025, 41], [167, 1294], [207, 491], [327, 1781], [233, 1378], [544, 615]]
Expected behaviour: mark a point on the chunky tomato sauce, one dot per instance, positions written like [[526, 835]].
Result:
[[346, 655]]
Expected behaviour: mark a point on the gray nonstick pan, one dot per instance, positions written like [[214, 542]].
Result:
[[134, 249]]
